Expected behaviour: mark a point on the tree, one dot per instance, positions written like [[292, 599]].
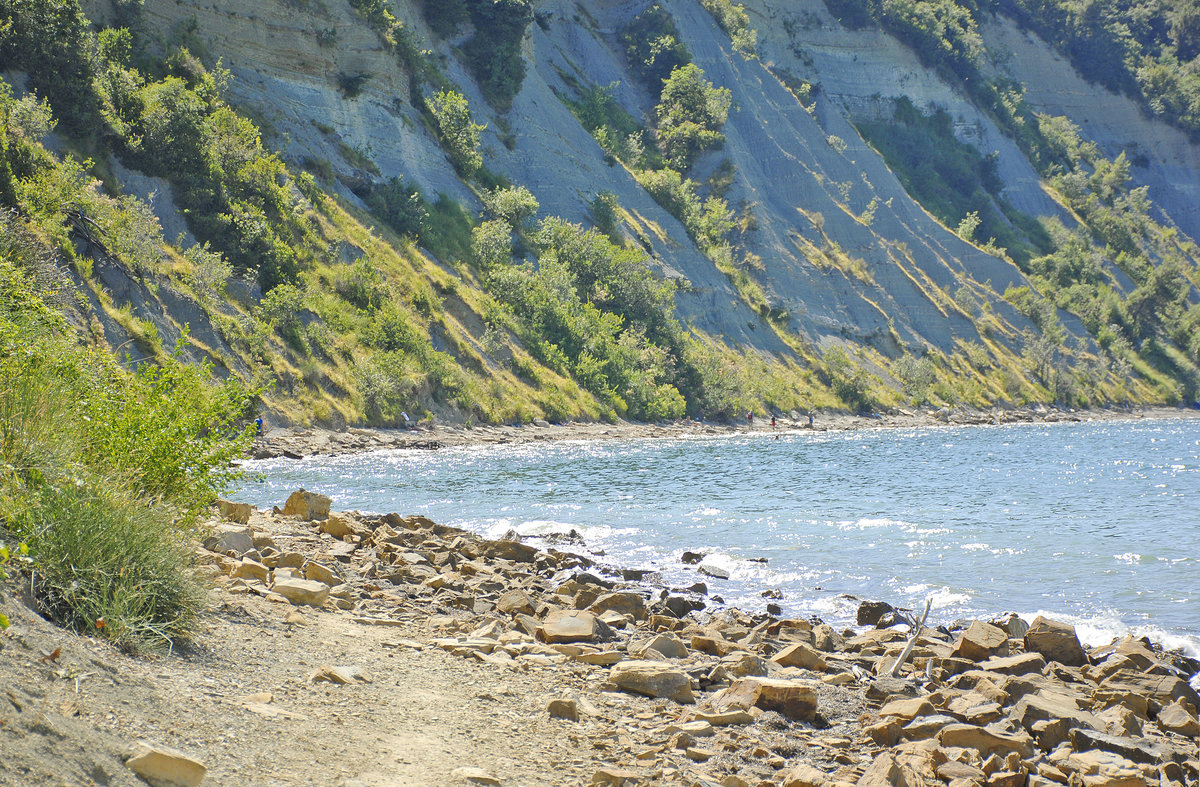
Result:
[[459, 134], [691, 113]]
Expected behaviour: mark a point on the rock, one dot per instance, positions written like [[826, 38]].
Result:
[[826, 639], [800, 655], [568, 625], [509, 549], [696, 754], [251, 569], [1176, 718], [869, 612], [886, 732], [163, 766], [793, 698], [713, 571], [321, 573], [474, 775], [653, 679], [923, 727], [951, 770], [981, 641], [668, 645], [804, 776], [1132, 749], [692, 558], [563, 708], [340, 675], [883, 771], [307, 505], [515, 602], [1161, 688], [614, 777], [908, 709], [230, 538], [679, 606], [337, 526], [1033, 708], [234, 512], [726, 719], [714, 646], [985, 740], [1104, 769], [302, 591], [1055, 641], [1013, 625], [1021, 664], [601, 658], [627, 602], [739, 664]]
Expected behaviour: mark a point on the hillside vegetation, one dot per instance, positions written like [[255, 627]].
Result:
[[345, 293]]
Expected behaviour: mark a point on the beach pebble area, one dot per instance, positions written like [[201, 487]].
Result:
[[364, 650]]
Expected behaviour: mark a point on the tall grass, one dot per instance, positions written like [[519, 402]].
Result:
[[103, 470]]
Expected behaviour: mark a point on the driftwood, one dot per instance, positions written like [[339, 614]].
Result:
[[912, 640]]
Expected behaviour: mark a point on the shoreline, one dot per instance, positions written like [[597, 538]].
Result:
[[384, 650], [302, 442]]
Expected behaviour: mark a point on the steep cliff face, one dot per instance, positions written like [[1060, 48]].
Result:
[[806, 177], [842, 253], [1164, 158]]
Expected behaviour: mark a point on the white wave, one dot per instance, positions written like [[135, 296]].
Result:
[[1103, 628], [1129, 558], [537, 528]]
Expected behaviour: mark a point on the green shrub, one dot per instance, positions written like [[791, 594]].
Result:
[[690, 113], [494, 52], [103, 471], [459, 134], [514, 205], [653, 46]]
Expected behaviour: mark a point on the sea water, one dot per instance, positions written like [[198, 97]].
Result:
[[1097, 524]]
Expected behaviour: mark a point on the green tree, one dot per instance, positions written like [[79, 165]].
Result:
[[690, 113], [459, 134]]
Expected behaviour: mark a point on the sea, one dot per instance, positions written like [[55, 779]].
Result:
[[1093, 523]]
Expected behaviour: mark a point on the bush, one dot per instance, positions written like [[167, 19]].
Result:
[[690, 114], [514, 205], [459, 134], [653, 46], [494, 52], [104, 471]]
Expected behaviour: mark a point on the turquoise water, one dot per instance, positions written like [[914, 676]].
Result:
[[1095, 523]]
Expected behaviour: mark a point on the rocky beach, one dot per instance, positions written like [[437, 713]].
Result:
[[364, 650]]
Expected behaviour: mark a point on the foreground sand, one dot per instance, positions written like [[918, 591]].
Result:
[[370, 651], [296, 442]]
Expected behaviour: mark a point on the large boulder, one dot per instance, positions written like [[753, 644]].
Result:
[[1055, 641], [307, 505], [653, 679], [237, 539], [870, 612], [981, 641], [794, 698], [508, 549], [986, 740], [569, 625], [627, 602], [302, 592], [234, 512], [800, 655]]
